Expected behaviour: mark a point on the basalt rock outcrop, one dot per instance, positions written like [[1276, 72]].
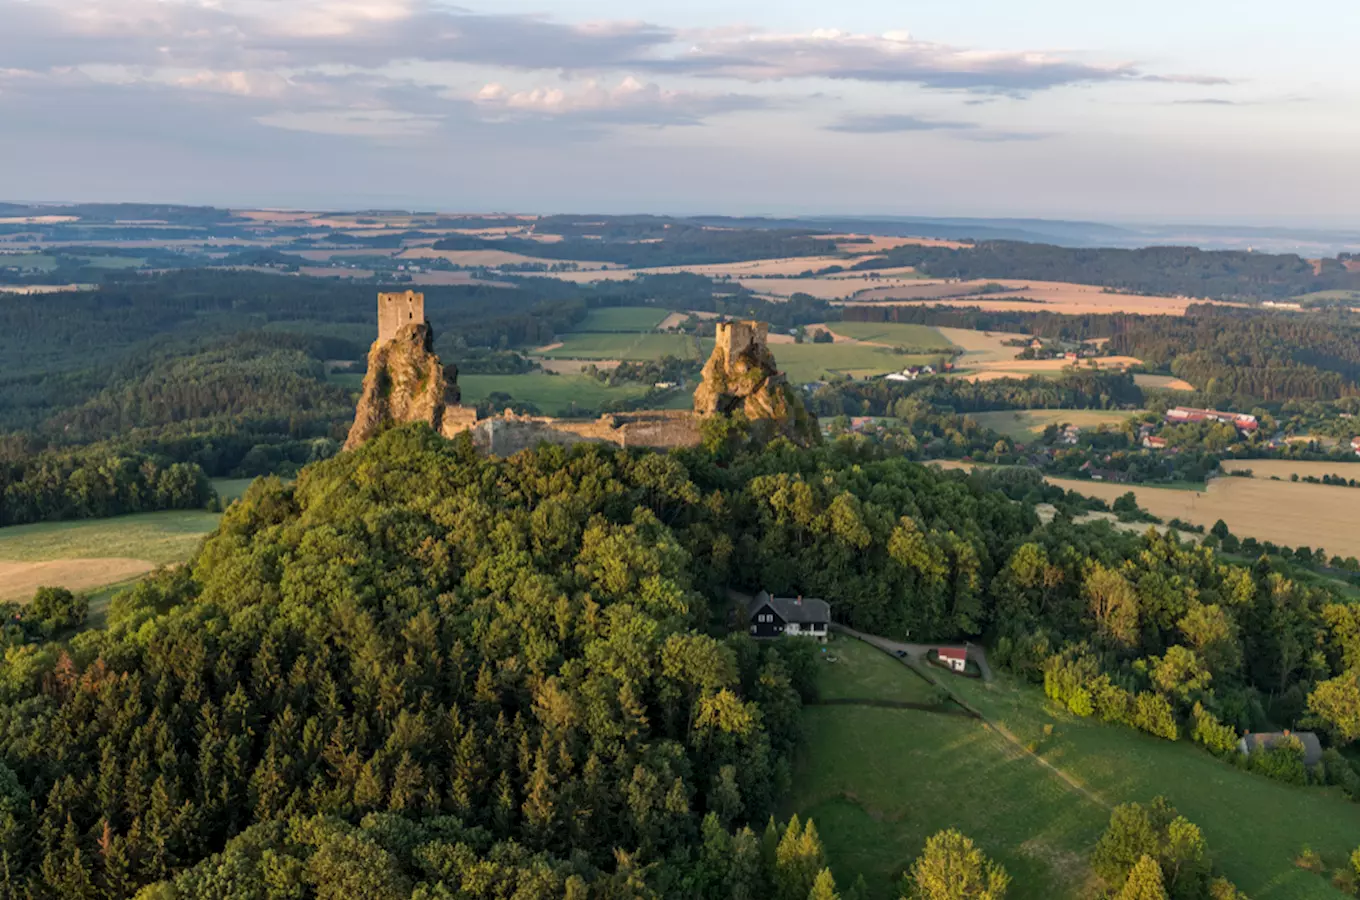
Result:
[[406, 381], [741, 376]]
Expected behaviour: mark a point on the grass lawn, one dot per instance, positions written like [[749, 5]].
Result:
[[1027, 424], [623, 318], [1255, 827], [628, 346], [878, 782], [553, 394], [160, 537], [811, 362], [917, 338], [861, 672]]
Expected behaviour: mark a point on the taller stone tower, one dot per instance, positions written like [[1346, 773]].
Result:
[[397, 310]]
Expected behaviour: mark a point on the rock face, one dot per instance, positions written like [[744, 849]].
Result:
[[407, 383], [741, 376]]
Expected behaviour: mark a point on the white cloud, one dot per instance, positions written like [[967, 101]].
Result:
[[630, 101]]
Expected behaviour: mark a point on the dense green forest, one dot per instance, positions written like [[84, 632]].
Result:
[[419, 672]]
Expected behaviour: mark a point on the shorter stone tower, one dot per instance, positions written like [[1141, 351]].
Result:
[[396, 311]]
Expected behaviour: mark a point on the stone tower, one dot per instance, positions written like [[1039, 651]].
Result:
[[398, 310], [737, 338]]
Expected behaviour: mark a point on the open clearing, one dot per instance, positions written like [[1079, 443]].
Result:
[[92, 553], [879, 781], [1027, 424], [1283, 512], [1162, 383], [623, 318]]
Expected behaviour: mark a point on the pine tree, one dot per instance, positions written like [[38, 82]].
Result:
[[1144, 882], [824, 888], [953, 868]]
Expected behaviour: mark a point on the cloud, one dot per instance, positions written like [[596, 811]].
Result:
[[631, 102], [898, 123], [895, 57], [892, 123]]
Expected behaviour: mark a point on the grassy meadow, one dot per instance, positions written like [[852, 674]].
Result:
[[623, 319], [93, 554], [1028, 424], [916, 338], [878, 782], [626, 346]]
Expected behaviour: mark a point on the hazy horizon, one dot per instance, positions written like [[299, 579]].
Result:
[[1231, 114]]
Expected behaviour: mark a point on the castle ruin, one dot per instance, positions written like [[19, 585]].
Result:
[[397, 310], [406, 382]]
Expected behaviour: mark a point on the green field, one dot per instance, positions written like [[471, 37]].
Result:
[[1027, 424], [854, 670], [160, 537], [812, 362], [917, 338], [38, 262], [627, 346], [553, 394], [623, 318], [113, 262], [878, 782]]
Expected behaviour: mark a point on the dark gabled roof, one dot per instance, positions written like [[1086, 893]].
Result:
[[791, 609], [1312, 747]]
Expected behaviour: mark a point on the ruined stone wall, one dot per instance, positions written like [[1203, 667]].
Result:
[[510, 434], [398, 309]]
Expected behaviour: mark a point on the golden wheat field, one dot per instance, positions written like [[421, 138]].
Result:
[[1283, 468], [20, 580], [1286, 513]]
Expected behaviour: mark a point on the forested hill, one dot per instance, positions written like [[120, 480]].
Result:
[[419, 672], [1177, 271]]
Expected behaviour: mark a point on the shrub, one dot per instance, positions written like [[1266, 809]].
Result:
[[1283, 761], [1309, 859], [1220, 739]]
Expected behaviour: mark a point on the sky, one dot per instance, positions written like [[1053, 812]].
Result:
[[1213, 111]]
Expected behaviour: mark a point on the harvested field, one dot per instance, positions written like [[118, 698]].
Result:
[[981, 347], [880, 242], [326, 272], [1025, 368], [44, 288], [326, 255], [1286, 513], [674, 320], [1162, 383], [20, 580], [1283, 468]]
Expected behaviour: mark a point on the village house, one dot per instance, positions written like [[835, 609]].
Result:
[[1355, 445], [1254, 743], [956, 658], [772, 617], [1154, 443], [1183, 415]]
